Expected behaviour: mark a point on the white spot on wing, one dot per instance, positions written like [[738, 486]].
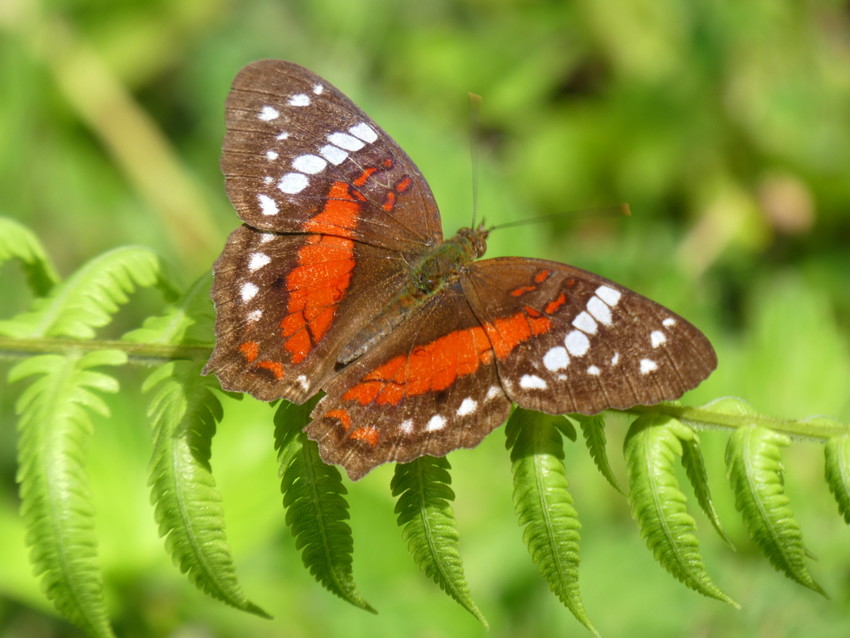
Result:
[[577, 343], [668, 322], [406, 426], [266, 237], [600, 310], [258, 260], [615, 359], [609, 295], [268, 179], [492, 392], [593, 370], [532, 382], [436, 422], [346, 141], [271, 155], [299, 99], [556, 359], [318, 89], [267, 205], [657, 338], [293, 183], [254, 316], [268, 113], [585, 322], [334, 154], [310, 164], [647, 366], [248, 291], [302, 381], [364, 132], [467, 406], [282, 135]]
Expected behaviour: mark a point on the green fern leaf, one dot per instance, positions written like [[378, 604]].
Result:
[[424, 510], [316, 509], [188, 508], [55, 499], [754, 468], [18, 242], [838, 472], [593, 431], [651, 447], [89, 297], [694, 464], [188, 322], [544, 506]]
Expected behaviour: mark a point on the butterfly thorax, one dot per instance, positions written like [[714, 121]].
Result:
[[432, 273]]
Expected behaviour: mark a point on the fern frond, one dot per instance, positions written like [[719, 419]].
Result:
[[754, 468], [18, 242], [89, 297], [316, 509], [188, 322], [837, 454], [424, 492], [55, 498], [544, 506], [184, 413], [658, 505], [593, 431], [694, 464]]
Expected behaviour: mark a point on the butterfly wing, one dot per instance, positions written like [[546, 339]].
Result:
[[583, 343], [335, 212], [294, 143], [430, 387]]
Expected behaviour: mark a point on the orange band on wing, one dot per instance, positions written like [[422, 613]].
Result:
[[435, 366], [323, 274]]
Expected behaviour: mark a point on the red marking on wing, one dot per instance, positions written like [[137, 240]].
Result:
[[507, 333], [437, 365], [553, 305], [542, 275], [323, 274], [521, 290], [250, 350], [403, 184], [366, 433], [342, 416], [389, 202], [274, 367], [364, 176]]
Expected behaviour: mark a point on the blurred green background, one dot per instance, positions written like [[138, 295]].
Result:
[[725, 125]]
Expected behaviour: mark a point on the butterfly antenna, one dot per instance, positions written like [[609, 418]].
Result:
[[603, 211], [474, 144]]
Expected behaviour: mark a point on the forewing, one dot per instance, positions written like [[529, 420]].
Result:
[[567, 340], [294, 142], [429, 388]]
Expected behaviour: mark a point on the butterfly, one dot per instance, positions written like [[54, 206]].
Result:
[[340, 280]]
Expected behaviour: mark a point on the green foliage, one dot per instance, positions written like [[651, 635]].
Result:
[[651, 447], [18, 242], [423, 489], [755, 472], [55, 496], [544, 506], [316, 509], [184, 412]]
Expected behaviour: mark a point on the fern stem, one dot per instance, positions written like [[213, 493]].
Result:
[[704, 418], [146, 354]]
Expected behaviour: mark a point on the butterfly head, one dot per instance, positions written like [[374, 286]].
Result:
[[472, 241]]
